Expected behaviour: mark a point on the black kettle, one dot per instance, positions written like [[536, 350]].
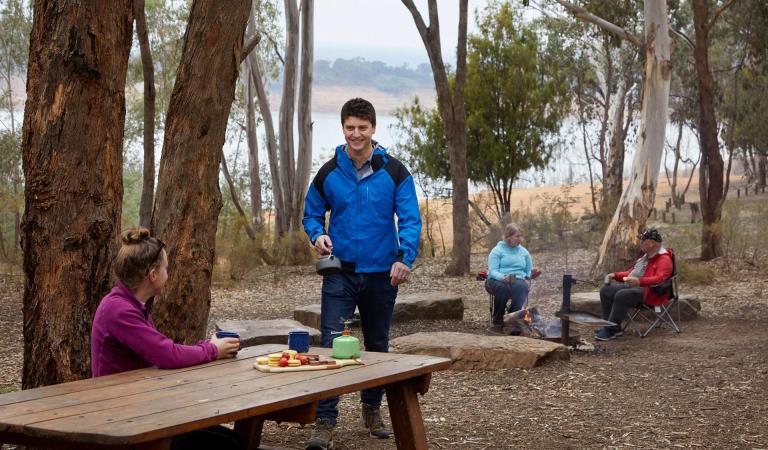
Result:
[[328, 265]]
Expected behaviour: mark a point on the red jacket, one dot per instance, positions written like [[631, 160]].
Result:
[[659, 269]]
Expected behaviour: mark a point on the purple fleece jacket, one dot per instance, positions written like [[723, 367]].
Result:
[[123, 337]]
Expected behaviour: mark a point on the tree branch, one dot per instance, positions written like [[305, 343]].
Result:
[[586, 16], [682, 35], [250, 45], [727, 4], [277, 48], [420, 25]]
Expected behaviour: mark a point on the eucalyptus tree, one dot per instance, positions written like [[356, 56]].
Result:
[[188, 198], [160, 28], [744, 37], [711, 179], [638, 195], [421, 147], [516, 97], [289, 171], [72, 150], [606, 75], [148, 72], [450, 100], [15, 24]]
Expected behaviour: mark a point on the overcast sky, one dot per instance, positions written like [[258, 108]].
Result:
[[383, 30]]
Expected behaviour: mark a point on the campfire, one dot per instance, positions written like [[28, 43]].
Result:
[[528, 322]]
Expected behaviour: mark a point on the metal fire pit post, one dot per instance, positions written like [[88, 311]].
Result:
[[565, 309]]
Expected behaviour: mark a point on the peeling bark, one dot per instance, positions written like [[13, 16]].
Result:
[[637, 198]]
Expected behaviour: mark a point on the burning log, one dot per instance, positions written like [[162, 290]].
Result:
[[529, 323], [524, 322]]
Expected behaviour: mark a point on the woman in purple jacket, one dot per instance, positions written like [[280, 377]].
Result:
[[124, 337]]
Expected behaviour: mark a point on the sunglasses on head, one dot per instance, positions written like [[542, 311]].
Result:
[[160, 247]]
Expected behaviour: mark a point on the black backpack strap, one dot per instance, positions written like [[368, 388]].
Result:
[[322, 174], [396, 170]]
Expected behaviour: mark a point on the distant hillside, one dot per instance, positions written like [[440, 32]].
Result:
[[387, 87]]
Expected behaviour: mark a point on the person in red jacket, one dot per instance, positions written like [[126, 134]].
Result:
[[634, 287]]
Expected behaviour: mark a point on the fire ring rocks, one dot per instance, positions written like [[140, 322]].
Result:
[[476, 352], [417, 306]]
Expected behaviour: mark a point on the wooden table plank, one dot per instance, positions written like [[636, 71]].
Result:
[[266, 393], [173, 396], [183, 405], [141, 375]]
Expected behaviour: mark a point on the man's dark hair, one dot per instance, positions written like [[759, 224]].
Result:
[[360, 108]]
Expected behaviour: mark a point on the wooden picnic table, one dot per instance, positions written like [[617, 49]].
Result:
[[144, 409]]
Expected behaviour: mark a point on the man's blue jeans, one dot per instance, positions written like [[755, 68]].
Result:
[[374, 297]]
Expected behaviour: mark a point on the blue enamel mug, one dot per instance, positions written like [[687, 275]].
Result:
[[298, 340]]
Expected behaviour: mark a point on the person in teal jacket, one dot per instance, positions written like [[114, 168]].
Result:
[[509, 267]]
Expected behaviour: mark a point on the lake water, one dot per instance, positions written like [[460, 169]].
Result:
[[568, 166]]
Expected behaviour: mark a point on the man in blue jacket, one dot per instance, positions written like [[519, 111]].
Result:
[[363, 188]]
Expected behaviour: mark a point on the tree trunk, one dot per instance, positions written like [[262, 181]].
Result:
[[672, 181], [148, 185], [287, 108], [254, 176], [304, 160], [453, 113], [72, 151], [637, 199], [188, 197], [762, 168], [16, 176], [235, 200], [606, 117], [269, 130], [613, 177], [711, 168], [587, 152]]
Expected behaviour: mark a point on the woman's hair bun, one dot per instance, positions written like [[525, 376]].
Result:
[[134, 235]]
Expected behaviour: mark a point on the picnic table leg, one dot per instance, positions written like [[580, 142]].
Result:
[[405, 413], [250, 431]]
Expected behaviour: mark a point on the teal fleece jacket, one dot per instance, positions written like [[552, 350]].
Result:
[[505, 260]]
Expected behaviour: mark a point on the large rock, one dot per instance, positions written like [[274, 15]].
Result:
[[256, 332], [428, 306], [418, 306], [309, 315], [590, 302], [476, 352]]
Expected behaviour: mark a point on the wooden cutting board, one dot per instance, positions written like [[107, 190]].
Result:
[[339, 363]]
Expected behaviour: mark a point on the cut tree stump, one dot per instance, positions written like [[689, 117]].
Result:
[[257, 332], [590, 302], [477, 352], [417, 306]]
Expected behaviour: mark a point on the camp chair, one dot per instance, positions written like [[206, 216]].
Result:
[[646, 318]]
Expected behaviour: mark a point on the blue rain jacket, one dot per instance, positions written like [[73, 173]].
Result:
[[362, 213]]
